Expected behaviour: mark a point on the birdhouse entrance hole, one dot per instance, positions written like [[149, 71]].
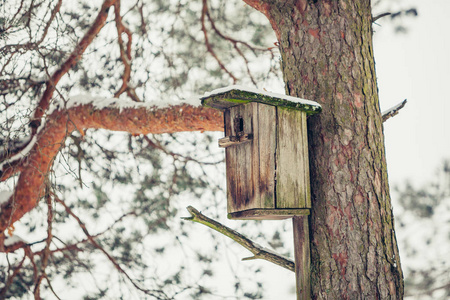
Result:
[[239, 123]]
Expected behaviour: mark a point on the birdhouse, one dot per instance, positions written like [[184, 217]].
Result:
[[266, 149]]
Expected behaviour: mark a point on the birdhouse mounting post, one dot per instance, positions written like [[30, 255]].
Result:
[[267, 165]]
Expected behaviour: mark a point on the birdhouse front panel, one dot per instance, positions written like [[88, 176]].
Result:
[[250, 163], [266, 152]]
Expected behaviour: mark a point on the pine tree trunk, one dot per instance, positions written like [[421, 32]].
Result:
[[327, 56]]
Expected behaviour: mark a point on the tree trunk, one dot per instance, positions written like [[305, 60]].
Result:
[[327, 56]]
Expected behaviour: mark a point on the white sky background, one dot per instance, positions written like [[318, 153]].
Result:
[[416, 66]]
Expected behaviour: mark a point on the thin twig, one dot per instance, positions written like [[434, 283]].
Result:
[[125, 54], [428, 292], [380, 16], [208, 45], [50, 21], [258, 251], [234, 42], [46, 251], [10, 279], [51, 287], [70, 62], [175, 155], [153, 293]]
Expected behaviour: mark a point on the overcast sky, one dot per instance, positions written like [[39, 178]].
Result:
[[416, 66]]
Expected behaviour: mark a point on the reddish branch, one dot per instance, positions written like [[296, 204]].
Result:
[[233, 41], [208, 45], [70, 62], [125, 54], [46, 252], [50, 21], [11, 276], [99, 247], [36, 165]]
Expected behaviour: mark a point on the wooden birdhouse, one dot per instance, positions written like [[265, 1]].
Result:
[[266, 152]]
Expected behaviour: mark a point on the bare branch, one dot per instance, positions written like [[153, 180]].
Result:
[[235, 44], [175, 155], [154, 293], [208, 45], [428, 292], [50, 21], [70, 62], [393, 110], [258, 251], [46, 251], [380, 16], [125, 54], [10, 279]]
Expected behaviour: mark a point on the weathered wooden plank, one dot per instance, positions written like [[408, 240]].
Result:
[[306, 161], [241, 174], [267, 142], [302, 257], [229, 141], [255, 158], [268, 214], [231, 164], [290, 159]]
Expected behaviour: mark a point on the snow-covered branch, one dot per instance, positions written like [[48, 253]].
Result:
[[85, 112], [393, 110]]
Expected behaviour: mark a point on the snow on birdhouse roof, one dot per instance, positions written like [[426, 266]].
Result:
[[234, 95]]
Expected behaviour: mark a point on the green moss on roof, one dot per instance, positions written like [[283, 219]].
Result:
[[234, 97]]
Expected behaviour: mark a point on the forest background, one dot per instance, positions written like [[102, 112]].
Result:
[[412, 62]]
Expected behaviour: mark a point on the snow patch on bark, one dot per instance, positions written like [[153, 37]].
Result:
[[11, 240], [392, 109], [101, 103], [4, 197], [24, 152]]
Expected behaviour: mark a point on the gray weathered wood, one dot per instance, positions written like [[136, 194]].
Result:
[[255, 159], [231, 164], [302, 257], [229, 141], [270, 170], [267, 214], [267, 139], [291, 187], [240, 167], [306, 162]]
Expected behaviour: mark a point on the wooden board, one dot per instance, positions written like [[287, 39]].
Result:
[[267, 214], [267, 143], [292, 189], [302, 257], [306, 162], [242, 177]]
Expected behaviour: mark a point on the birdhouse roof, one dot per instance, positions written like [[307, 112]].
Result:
[[234, 95]]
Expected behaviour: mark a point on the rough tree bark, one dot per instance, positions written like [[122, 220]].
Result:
[[327, 56]]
